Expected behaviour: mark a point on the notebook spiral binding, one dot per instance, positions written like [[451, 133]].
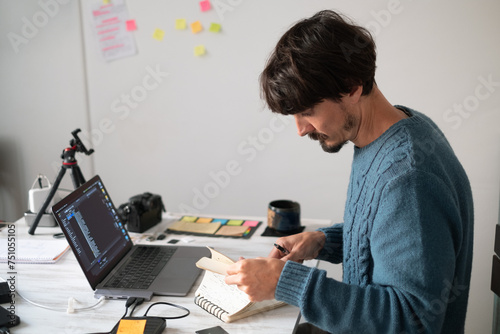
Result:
[[209, 307]]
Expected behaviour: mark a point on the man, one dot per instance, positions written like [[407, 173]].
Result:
[[406, 240]]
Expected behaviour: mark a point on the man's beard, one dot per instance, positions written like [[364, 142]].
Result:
[[350, 123], [322, 141]]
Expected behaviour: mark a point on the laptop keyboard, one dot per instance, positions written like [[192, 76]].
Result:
[[145, 264]]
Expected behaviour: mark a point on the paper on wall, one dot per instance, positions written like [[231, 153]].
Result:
[[110, 29]]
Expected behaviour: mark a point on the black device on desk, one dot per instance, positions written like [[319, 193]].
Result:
[[107, 256]]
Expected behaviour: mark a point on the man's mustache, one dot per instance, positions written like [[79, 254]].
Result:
[[318, 136]]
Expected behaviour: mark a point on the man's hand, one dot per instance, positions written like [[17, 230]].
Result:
[[302, 246], [258, 277]]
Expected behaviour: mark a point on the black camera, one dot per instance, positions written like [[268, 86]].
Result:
[[141, 212]]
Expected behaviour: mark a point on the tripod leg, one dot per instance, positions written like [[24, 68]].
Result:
[[47, 201], [77, 176]]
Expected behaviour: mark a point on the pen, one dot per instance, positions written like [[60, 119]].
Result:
[[282, 249]]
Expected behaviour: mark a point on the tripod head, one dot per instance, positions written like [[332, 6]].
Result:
[[76, 145]]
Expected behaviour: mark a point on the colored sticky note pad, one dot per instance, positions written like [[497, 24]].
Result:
[[158, 34], [233, 222], [214, 27], [131, 26], [204, 220], [190, 227], [221, 221], [247, 231], [232, 231], [204, 5], [199, 50], [189, 218], [251, 223], [131, 326], [196, 27], [180, 24]]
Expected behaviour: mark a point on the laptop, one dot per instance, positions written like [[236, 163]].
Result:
[[103, 247]]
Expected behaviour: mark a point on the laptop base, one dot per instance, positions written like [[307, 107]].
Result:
[[147, 295]]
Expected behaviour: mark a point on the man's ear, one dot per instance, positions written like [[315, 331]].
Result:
[[355, 94]]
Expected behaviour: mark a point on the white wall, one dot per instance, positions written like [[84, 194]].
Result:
[[207, 113], [42, 96]]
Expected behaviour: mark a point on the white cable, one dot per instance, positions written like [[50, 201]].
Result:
[[70, 308]]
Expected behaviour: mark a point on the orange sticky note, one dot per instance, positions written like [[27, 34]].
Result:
[[196, 27], [204, 220], [180, 24], [158, 34], [131, 326], [131, 25], [199, 50]]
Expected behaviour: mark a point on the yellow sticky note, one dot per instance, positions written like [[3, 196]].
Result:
[[214, 27], [180, 24], [196, 27], [131, 326], [158, 34], [105, 2], [199, 50]]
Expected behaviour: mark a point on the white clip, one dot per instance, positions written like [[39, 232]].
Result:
[[71, 308]]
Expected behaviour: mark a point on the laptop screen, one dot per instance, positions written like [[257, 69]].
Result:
[[91, 224]]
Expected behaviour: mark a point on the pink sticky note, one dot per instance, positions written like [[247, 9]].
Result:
[[251, 223], [205, 5], [131, 26]]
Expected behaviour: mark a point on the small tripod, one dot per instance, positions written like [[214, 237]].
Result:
[[69, 162]]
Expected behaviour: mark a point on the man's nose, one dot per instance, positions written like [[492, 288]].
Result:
[[303, 126]]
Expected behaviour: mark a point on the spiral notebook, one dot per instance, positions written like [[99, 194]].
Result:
[[226, 302]]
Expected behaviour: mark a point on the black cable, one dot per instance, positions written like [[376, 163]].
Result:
[[138, 302], [130, 301], [170, 304]]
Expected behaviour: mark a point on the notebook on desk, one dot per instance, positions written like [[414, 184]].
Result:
[[108, 257]]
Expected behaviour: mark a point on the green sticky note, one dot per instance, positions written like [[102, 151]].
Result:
[[214, 27], [234, 222]]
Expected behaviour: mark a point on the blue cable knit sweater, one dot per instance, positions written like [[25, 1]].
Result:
[[405, 244]]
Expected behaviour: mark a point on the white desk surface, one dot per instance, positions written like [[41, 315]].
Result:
[[53, 284]]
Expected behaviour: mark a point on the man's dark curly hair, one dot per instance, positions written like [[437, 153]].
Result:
[[322, 57]]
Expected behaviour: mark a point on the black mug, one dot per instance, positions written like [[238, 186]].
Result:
[[283, 215]]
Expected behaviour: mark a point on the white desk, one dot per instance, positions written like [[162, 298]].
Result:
[[53, 284]]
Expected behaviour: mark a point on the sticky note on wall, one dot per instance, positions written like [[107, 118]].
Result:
[[214, 27], [205, 5], [199, 50], [158, 34], [180, 24], [196, 27], [131, 26]]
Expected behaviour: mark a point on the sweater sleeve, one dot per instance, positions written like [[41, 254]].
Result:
[[333, 249], [414, 242]]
